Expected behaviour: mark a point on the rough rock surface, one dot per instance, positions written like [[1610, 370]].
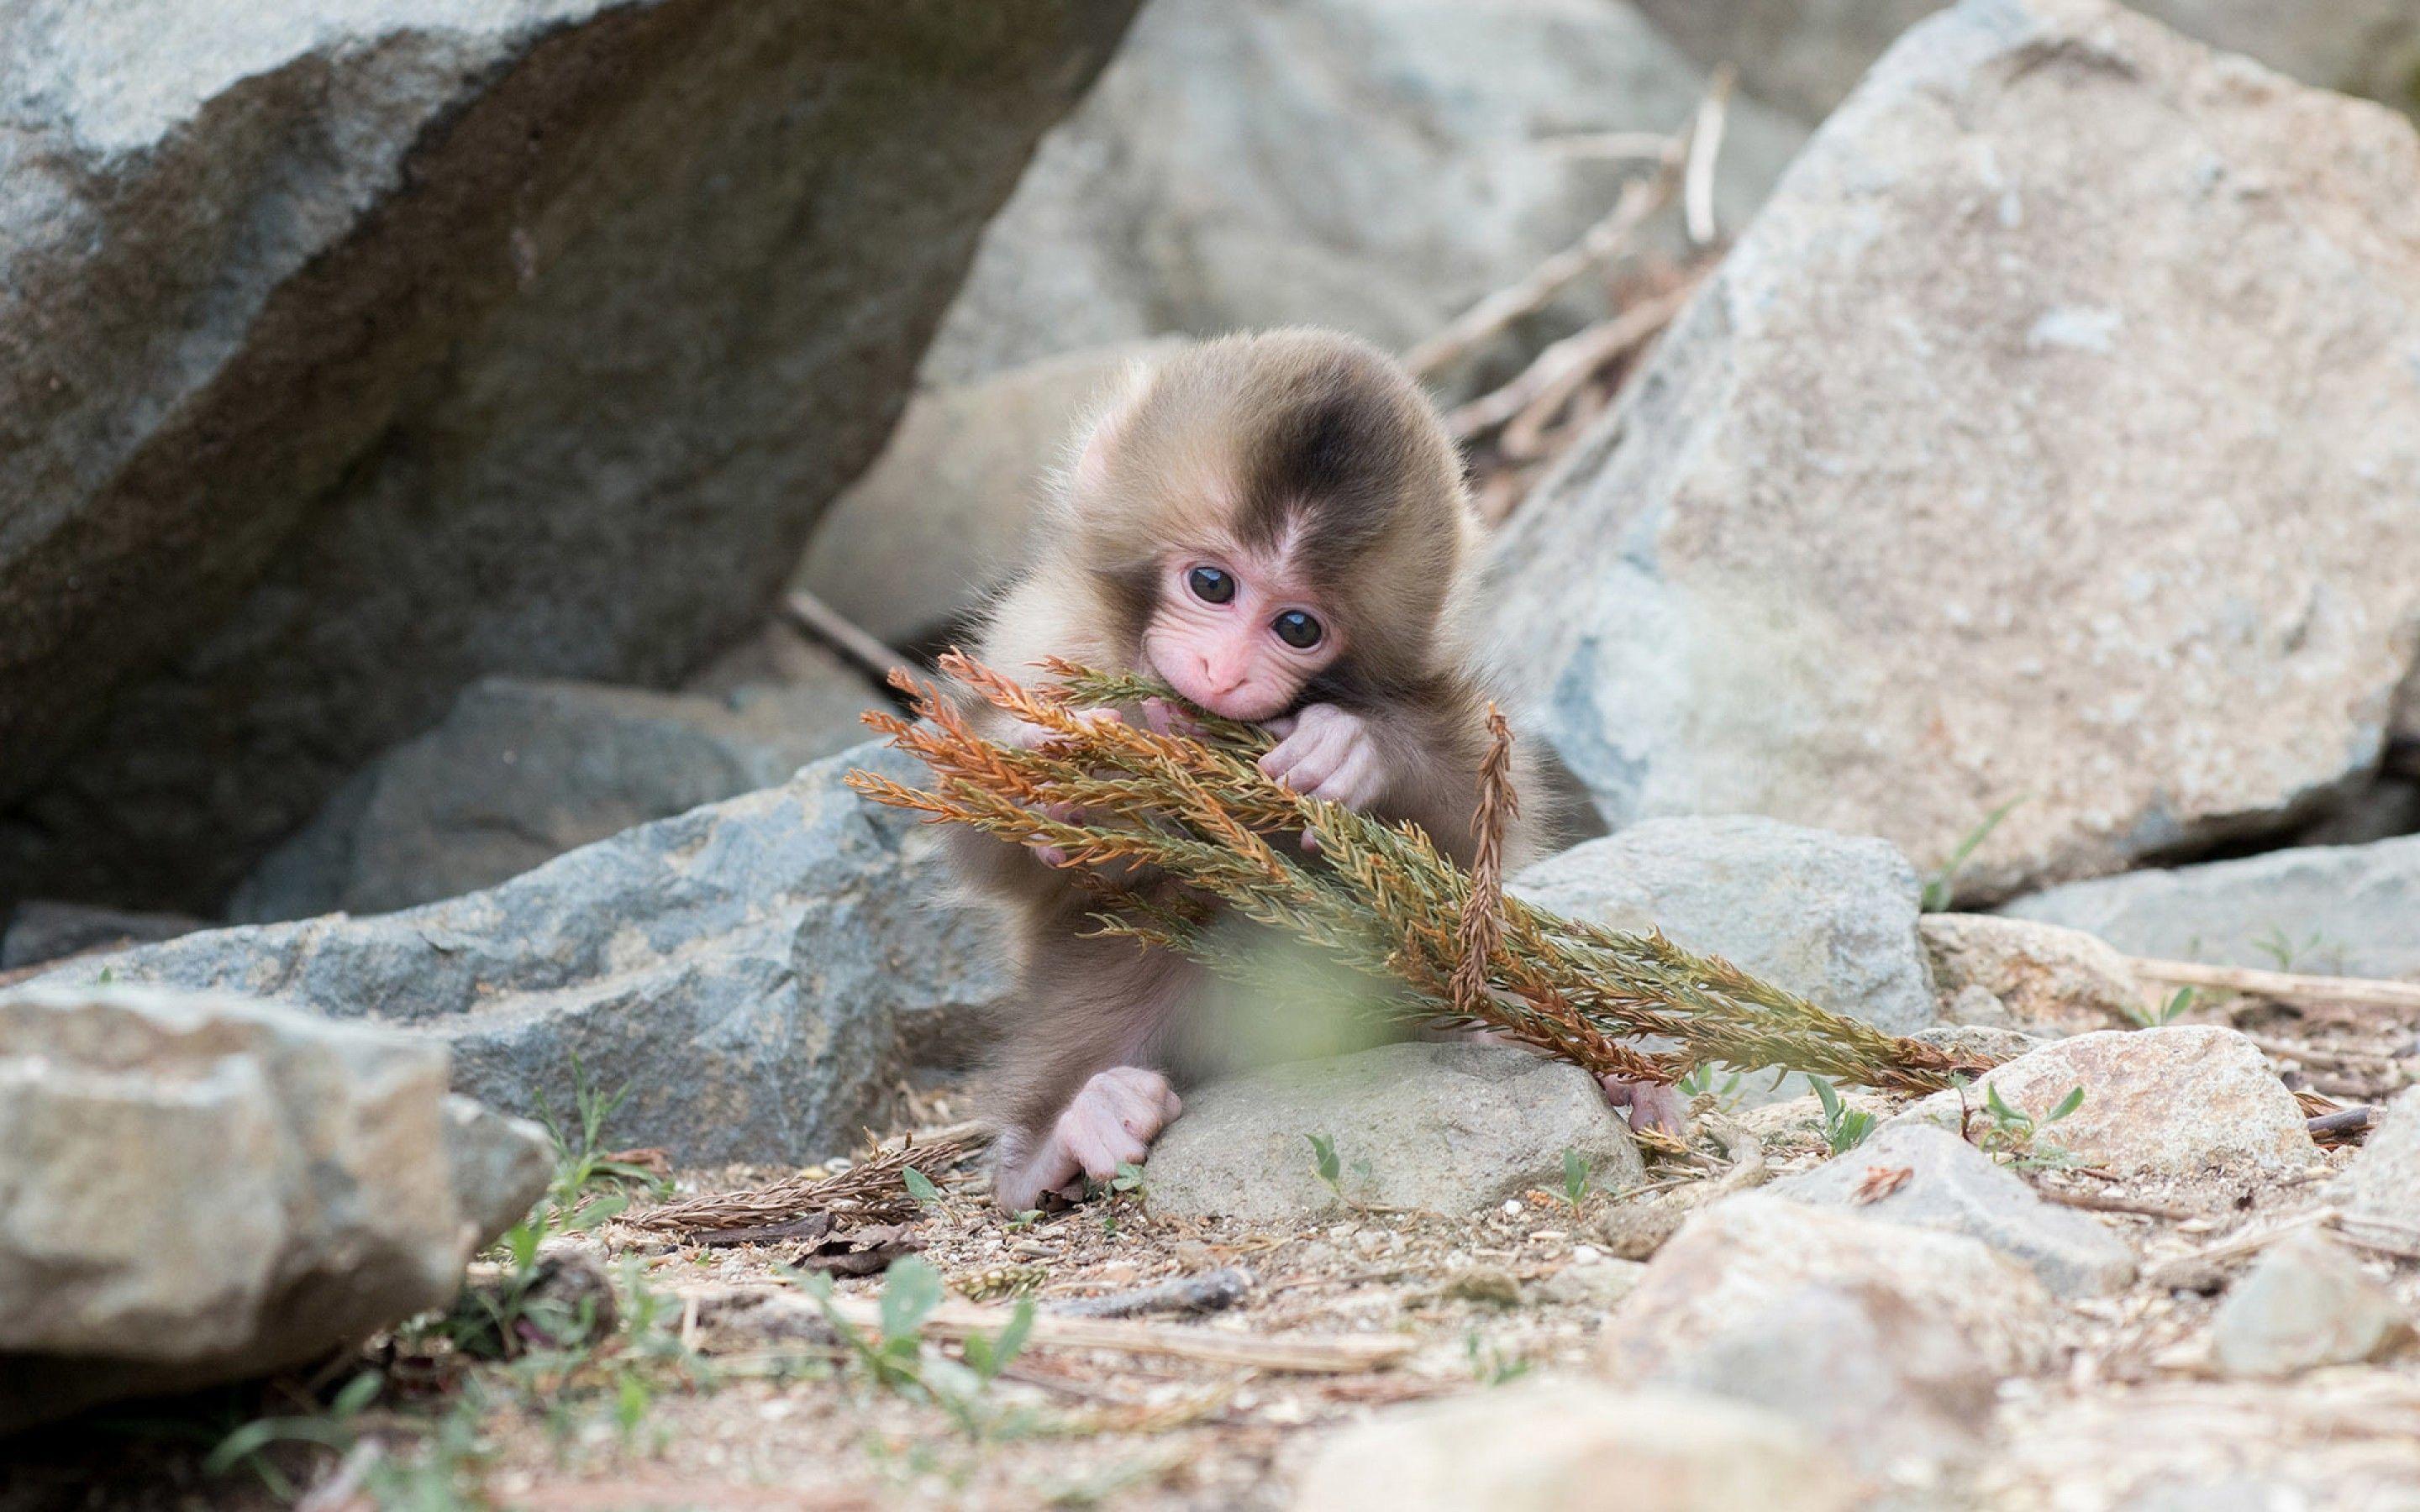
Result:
[[204, 1188], [1445, 1127], [1830, 917], [942, 514], [1373, 164], [1981, 299], [2043, 978], [1803, 55], [519, 772], [747, 969], [2382, 1183], [355, 350], [1564, 1443], [1956, 1188], [2304, 1305], [2338, 910], [2179, 1101], [40, 929], [1889, 1341]]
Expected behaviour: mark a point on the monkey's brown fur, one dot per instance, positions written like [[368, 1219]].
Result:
[[1293, 436]]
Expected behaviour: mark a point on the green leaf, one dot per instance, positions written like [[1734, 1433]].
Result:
[[1323, 1149], [920, 1186], [2001, 1110], [997, 1353], [1942, 890], [1574, 1175], [1830, 1098], [357, 1393], [2074, 1100], [911, 1290]]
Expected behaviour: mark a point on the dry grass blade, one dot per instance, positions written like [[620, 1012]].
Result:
[[874, 1188], [1378, 896], [1483, 925]]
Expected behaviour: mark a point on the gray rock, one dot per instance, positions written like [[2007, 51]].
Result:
[[1452, 1128], [2043, 978], [2382, 1185], [2183, 1101], [520, 772], [1598, 1283], [942, 514], [1372, 164], [355, 350], [1957, 1189], [2337, 910], [207, 1188], [1543, 1445], [1889, 1342], [1879, 547], [1803, 55], [748, 970], [1985, 1040], [39, 931], [1830, 917], [2304, 1305]]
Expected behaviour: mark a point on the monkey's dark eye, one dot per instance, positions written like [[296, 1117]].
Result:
[[1210, 585], [1297, 630]]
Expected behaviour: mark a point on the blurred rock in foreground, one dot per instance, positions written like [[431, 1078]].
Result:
[[349, 353], [1372, 164], [521, 771], [747, 970], [205, 1188], [1802, 56], [2334, 910], [1977, 474]]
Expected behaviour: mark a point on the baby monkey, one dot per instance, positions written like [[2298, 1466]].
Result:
[[1276, 526]]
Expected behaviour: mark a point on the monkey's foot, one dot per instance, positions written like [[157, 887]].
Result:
[[1110, 1122], [1649, 1104]]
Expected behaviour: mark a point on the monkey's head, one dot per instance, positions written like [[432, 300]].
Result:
[[1271, 520]]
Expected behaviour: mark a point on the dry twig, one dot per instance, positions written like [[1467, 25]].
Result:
[[872, 1190], [2280, 986]]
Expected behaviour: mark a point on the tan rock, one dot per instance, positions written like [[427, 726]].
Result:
[[2306, 1304], [2044, 976]]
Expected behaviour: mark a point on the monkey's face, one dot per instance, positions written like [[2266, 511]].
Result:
[[1239, 630]]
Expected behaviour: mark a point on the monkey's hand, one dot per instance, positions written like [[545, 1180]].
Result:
[[1651, 1104], [1327, 754], [1110, 1122]]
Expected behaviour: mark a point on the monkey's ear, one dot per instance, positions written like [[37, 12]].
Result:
[[1105, 424]]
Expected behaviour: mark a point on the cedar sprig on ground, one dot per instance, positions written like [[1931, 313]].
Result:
[[1118, 795]]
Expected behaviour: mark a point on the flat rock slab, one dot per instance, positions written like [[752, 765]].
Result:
[[1888, 1341], [1542, 1445], [1830, 917], [1450, 1128], [2306, 1302], [1951, 1186], [204, 1188], [2334, 910], [2185, 1101], [1806, 567], [747, 970]]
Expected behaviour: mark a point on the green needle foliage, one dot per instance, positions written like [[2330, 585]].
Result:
[[1113, 796]]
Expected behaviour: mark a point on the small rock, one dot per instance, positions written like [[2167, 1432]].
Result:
[[2306, 1303], [1547, 1444], [2045, 978], [1955, 1188], [1492, 1285], [1452, 1127], [2181, 1100], [1888, 1341], [2336, 910], [1831, 917], [1593, 1283], [2382, 1185], [1971, 1039], [211, 1188]]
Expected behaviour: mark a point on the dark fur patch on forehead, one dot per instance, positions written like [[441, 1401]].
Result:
[[1332, 452]]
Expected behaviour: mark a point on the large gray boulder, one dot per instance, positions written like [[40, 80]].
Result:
[[2338, 910], [1803, 55], [1972, 477], [204, 1188], [350, 352], [1372, 164], [522, 770], [1832, 917], [749, 971]]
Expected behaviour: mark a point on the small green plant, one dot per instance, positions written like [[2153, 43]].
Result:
[[919, 1185], [2015, 1137], [2151, 1018], [1129, 1181], [1323, 1159], [1941, 889], [333, 1428], [1026, 1219], [1489, 1366], [895, 1360], [1844, 1128], [1701, 1080], [1575, 1178]]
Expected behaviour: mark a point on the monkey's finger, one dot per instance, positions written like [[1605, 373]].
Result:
[[1101, 1145], [1355, 781]]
